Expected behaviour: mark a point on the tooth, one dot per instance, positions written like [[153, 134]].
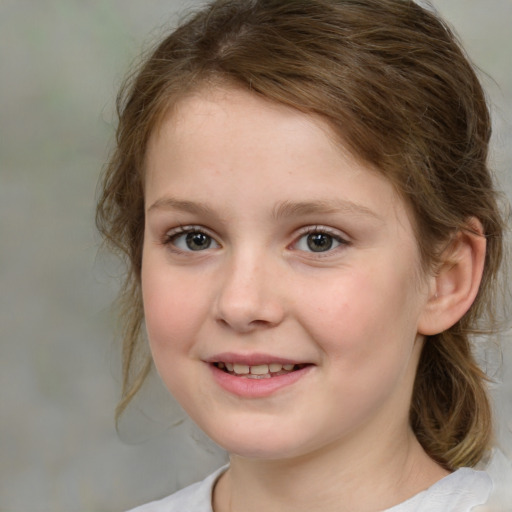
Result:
[[275, 367], [229, 366], [221, 366], [260, 369], [240, 368], [288, 367]]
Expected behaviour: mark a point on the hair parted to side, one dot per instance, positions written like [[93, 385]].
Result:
[[394, 84]]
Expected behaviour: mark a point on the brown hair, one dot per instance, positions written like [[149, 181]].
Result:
[[391, 79]]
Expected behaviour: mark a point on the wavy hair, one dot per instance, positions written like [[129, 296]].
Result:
[[392, 81]]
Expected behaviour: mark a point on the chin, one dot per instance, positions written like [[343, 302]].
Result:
[[271, 443], [259, 451]]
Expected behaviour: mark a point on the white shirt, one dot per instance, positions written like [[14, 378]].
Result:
[[458, 492]]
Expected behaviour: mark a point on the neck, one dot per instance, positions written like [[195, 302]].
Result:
[[335, 479]]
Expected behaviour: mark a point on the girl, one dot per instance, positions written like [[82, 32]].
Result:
[[302, 194]]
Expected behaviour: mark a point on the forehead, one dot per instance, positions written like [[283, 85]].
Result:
[[222, 105], [231, 132], [247, 121]]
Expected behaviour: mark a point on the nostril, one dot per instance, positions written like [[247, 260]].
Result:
[[246, 302], [242, 325], [222, 322], [258, 323]]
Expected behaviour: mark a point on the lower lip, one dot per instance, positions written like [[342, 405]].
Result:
[[256, 388]]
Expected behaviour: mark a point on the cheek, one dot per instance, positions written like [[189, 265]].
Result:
[[366, 313], [367, 335], [171, 309], [173, 318]]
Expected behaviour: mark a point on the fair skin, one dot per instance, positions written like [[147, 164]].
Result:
[[267, 243]]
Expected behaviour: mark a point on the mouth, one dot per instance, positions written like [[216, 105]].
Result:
[[259, 371]]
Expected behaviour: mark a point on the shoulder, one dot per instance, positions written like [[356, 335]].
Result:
[[458, 492], [499, 467], [194, 498]]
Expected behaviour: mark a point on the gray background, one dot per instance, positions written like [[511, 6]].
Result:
[[61, 62]]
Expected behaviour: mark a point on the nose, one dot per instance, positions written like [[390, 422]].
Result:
[[248, 298]]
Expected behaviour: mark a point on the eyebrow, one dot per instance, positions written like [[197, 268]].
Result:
[[302, 208], [281, 210], [170, 203]]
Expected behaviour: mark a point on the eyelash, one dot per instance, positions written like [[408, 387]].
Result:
[[173, 235], [321, 230]]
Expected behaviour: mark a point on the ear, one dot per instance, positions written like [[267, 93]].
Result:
[[455, 285]]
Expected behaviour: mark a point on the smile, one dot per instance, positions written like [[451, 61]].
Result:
[[259, 371], [257, 375]]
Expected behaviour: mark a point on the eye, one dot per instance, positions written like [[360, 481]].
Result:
[[319, 240], [190, 239]]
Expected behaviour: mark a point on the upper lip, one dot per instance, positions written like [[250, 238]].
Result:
[[251, 359]]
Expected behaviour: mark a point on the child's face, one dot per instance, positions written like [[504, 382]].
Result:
[[267, 244]]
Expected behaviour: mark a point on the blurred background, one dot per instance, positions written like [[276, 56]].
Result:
[[61, 62]]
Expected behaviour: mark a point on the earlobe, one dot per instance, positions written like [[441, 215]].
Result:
[[455, 285]]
